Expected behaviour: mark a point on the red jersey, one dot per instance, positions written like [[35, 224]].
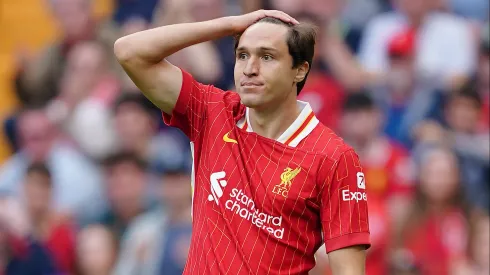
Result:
[[263, 206]]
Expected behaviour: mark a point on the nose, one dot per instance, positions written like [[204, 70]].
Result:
[[252, 67]]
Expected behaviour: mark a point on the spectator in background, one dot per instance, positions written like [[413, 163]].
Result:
[[322, 91], [438, 36], [38, 82], [53, 231], [88, 91], [405, 101], [158, 242], [472, 144], [136, 123], [386, 163], [77, 182], [19, 256], [127, 9], [387, 168], [126, 188], [435, 232], [96, 251], [205, 61]]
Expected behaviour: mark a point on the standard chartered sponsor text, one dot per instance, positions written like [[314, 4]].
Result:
[[244, 206]]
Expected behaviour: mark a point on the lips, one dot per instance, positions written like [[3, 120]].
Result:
[[250, 83]]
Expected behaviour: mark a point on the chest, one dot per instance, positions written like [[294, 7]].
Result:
[[240, 170]]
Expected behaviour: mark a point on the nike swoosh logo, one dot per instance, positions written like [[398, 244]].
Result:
[[226, 138]]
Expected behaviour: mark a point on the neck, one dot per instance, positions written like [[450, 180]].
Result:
[[272, 122], [40, 224]]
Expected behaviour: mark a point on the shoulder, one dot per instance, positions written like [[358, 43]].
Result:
[[216, 98], [325, 142]]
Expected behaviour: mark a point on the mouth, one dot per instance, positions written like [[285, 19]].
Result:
[[250, 84]]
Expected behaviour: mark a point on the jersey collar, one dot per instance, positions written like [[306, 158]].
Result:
[[297, 131]]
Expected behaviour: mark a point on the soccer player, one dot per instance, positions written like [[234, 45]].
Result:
[[271, 183]]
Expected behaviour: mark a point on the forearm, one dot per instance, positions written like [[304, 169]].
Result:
[[348, 261], [343, 64], [154, 45]]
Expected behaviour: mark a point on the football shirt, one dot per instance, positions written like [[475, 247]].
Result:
[[263, 206]]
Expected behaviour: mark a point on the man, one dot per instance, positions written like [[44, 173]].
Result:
[[53, 231], [18, 255], [158, 242], [261, 197], [126, 186], [77, 182]]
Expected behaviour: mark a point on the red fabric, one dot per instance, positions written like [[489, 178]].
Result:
[[402, 44], [388, 168], [438, 241], [249, 215], [325, 96], [61, 244]]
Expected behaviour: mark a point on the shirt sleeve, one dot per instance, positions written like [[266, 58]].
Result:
[[190, 111], [344, 211]]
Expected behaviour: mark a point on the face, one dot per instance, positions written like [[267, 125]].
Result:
[[36, 134], [439, 176], [126, 186], [73, 16], [37, 192], [133, 124], [360, 125], [463, 115], [415, 8], [263, 70], [85, 66], [96, 250], [400, 76], [176, 191]]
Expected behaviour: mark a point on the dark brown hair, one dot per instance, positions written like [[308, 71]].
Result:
[[301, 43], [41, 169]]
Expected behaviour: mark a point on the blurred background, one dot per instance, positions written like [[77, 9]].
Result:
[[92, 182]]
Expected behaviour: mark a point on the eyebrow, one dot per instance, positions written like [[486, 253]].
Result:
[[260, 49]]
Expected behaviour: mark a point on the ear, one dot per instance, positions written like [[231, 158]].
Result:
[[301, 72]]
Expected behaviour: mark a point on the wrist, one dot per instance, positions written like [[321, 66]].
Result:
[[229, 24]]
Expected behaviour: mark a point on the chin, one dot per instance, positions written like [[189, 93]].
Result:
[[251, 100]]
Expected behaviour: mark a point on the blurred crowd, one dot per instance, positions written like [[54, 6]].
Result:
[[96, 184]]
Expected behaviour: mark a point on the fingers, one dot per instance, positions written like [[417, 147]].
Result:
[[281, 16]]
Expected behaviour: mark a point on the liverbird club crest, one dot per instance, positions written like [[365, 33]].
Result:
[[286, 180]]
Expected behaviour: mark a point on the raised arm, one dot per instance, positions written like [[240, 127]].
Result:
[[142, 55]]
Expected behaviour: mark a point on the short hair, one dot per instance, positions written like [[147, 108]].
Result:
[[301, 41], [134, 98], [124, 157], [360, 101], [469, 91], [40, 168]]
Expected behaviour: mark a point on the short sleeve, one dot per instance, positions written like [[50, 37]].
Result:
[[190, 111], [344, 211]]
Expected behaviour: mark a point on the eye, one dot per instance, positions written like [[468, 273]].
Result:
[[242, 56], [267, 57]]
